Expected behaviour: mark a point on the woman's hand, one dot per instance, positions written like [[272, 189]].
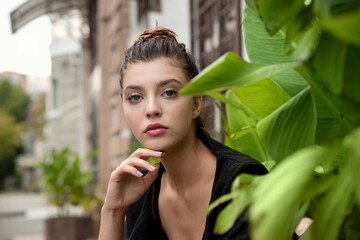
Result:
[[126, 184]]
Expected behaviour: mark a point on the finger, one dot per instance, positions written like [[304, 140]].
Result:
[[132, 170], [145, 154], [151, 176], [140, 163]]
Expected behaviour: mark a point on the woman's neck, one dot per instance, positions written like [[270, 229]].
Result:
[[188, 163]]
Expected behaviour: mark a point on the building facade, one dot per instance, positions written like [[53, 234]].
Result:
[[64, 103]]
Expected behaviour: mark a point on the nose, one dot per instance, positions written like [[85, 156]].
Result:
[[153, 109]]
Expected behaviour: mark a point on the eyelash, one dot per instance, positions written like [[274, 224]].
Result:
[[132, 100], [170, 90]]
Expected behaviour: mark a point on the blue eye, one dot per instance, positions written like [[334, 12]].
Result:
[[170, 93], [134, 98]]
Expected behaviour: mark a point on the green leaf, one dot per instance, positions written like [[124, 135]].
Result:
[[249, 143], [279, 195], [307, 42], [232, 211], [344, 26], [336, 116], [333, 208], [276, 13], [231, 71], [295, 118], [296, 27], [237, 104], [352, 74], [269, 164], [351, 229], [252, 4], [352, 150], [262, 97], [264, 49], [223, 199], [329, 62]]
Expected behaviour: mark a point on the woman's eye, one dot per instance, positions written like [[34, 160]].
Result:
[[170, 93], [134, 98]]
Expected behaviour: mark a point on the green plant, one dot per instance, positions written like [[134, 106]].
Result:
[[65, 180], [296, 108]]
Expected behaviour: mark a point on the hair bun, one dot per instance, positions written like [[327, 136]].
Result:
[[158, 32]]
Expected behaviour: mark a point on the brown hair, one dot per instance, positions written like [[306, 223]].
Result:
[[159, 42]]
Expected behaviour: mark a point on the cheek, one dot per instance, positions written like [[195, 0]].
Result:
[[132, 117], [182, 111]]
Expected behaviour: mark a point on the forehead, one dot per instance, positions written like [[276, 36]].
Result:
[[152, 72]]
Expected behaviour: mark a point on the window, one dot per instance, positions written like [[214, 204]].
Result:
[[55, 93]]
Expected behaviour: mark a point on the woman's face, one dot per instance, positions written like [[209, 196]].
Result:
[[157, 115]]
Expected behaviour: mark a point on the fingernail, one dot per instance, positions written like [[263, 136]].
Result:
[[159, 152], [140, 173], [152, 167]]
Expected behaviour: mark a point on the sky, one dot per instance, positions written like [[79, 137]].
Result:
[[27, 50]]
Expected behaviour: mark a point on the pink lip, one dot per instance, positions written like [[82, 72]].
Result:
[[155, 129]]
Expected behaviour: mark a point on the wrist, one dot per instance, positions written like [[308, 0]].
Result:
[[113, 212]]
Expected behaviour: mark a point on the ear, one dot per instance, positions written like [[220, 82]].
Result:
[[197, 103]]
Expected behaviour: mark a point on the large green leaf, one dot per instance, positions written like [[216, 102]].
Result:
[[276, 13], [336, 114], [290, 128], [340, 18], [279, 195], [231, 71], [231, 212], [336, 66], [352, 74], [307, 42], [333, 208], [264, 49], [262, 97], [249, 143], [329, 62]]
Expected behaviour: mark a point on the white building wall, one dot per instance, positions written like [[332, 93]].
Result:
[[65, 120], [174, 14]]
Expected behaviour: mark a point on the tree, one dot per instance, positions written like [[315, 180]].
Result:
[[296, 108], [13, 110], [10, 132], [37, 115], [14, 100]]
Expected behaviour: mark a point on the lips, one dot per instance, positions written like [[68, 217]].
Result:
[[155, 129]]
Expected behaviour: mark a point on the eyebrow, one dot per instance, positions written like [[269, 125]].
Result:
[[162, 83], [165, 82]]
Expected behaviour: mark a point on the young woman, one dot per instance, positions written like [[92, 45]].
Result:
[[170, 200]]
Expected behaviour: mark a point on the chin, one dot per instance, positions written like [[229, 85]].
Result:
[[156, 144]]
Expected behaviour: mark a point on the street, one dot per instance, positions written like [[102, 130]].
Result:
[[22, 215]]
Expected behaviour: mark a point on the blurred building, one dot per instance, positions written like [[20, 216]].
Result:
[[65, 100]]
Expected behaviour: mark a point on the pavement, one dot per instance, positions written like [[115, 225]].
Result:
[[23, 215]]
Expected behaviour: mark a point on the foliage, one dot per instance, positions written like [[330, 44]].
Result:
[[14, 100], [9, 134], [66, 182], [37, 115], [13, 109], [296, 108]]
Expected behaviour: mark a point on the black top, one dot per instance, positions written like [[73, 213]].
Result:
[[142, 217]]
